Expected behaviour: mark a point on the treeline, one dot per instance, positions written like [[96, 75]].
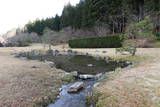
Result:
[[38, 26], [116, 14]]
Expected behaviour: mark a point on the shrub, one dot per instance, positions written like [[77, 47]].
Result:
[[113, 41], [69, 78], [22, 43], [158, 36], [141, 29], [131, 48]]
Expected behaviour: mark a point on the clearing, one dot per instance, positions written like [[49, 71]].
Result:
[[22, 81]]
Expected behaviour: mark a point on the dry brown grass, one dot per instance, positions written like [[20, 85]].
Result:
[[137, 87], [21, 85]]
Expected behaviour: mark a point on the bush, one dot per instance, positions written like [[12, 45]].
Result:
[[69, 78], [113, 41], [131, 48], [141, 29], [23, 43], [158, 36]]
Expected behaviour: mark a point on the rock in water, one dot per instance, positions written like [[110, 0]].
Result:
[[86, 76], [75, 87]]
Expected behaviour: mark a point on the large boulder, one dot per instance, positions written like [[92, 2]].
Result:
[[75, 87]]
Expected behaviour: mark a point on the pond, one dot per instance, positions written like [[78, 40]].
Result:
[[83, 64]]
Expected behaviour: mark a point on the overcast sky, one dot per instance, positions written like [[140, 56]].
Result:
[[16, 13]]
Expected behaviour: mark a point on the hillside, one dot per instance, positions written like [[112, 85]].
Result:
[[14, 35]]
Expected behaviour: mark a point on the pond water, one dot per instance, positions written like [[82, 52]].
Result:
[[80, 63]]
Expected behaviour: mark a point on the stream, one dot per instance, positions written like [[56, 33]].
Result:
[[74, 100]]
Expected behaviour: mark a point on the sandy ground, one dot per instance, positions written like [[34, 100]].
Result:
[[20, 83]]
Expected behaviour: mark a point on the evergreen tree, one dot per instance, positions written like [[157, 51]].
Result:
[[88, 13], [55, 23], [68, 15]]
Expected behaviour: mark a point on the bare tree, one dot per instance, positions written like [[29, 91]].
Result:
[[46, 38]]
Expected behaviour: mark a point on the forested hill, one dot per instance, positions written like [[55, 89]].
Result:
[[115, 14]]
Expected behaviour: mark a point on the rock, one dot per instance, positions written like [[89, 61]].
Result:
[[96, 85], [87, 54], [32, 53], [90, 65], [51, 64], [88, 87], [98, 76], [106, 59], [86, 77], [75, 87], [49, 52], [104, 51], [37, 52], [58, 97], [70, 53], [127, 62], [92, 105], [55, 52], [74, 73], [97, 58], [17, 55], [60, 89], [34, 67]]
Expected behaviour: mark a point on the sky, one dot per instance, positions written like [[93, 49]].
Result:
[[16, 13]]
